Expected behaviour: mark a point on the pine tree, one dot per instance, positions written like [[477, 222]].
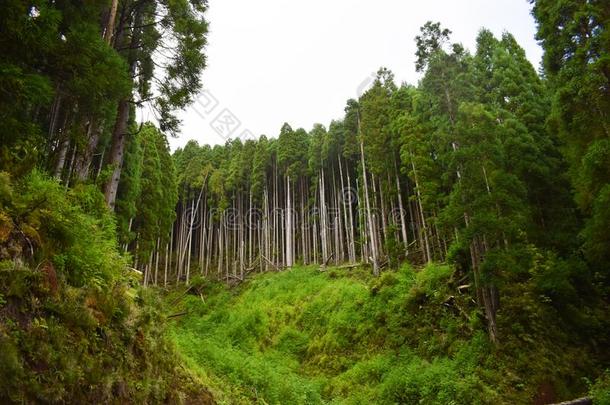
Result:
[[574, 36]]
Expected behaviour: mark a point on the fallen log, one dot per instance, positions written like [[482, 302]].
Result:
[[271, 263], [323, 265], [230, 276], [344, 266], [579, 401]]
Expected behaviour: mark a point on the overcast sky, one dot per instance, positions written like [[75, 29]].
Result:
[[276, 61]]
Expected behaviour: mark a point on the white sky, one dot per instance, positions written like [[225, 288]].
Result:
[[276, 61]]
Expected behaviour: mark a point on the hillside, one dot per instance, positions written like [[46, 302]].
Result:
[[342, 336]]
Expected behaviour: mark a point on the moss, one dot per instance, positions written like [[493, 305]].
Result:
[[74, 326]]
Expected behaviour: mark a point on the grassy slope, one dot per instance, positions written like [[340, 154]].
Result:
[[303, 336]]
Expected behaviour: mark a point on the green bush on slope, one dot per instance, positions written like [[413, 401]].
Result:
[[74, 324]]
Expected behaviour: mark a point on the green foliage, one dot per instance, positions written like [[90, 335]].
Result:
[[303, 336], [575, 38], [600, 390], [45, 215], [75, 325], [53, 52]]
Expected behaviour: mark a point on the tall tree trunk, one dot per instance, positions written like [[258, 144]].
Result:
[[339, 254], [250, 226], [314, 230], [373, 243], [63, 148], [323, 222], [168, 259], [403, 224], [304, 238], [421, 211], [54, 112], [190, 242], [119, 135], [109, 30], [351, 214], [119, 132], [70, 168], [157, 260], [165, 265], [484, 291], [384, 216], [86, 158], [288, 224]]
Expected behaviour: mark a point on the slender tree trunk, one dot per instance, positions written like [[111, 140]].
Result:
[[54, 113], [403, 224], [373, 243], [303, 225], [362, 227], [250, 225], [323, 224], [484, 294], [157, 260], [61, 158], [346, 196], [209, 247], [220, 254], [288, 225], [109, 30], [421, 211], [190, 240], [99, 166], [314, 230], [202, 235], [171, 254], [339, 254], [384, 216], [70, 167], [165, 265], [266, 227], [351, 214]]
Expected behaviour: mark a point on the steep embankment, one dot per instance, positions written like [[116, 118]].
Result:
[[75, 325], [303, 336]]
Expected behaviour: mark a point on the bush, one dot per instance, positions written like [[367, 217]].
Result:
[[600, 390]]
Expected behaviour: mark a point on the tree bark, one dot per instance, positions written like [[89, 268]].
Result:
[[86, 158], [288, 225], [373, 243], [109, 30], [119, 132], [119, 135]]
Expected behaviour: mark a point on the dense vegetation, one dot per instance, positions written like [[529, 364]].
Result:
[[343, 336], [75, 324], [470, 210]]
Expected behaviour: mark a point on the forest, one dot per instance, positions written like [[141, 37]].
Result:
[[446, 241]]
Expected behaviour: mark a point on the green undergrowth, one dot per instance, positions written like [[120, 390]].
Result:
[[304, 337], [75, 326]]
